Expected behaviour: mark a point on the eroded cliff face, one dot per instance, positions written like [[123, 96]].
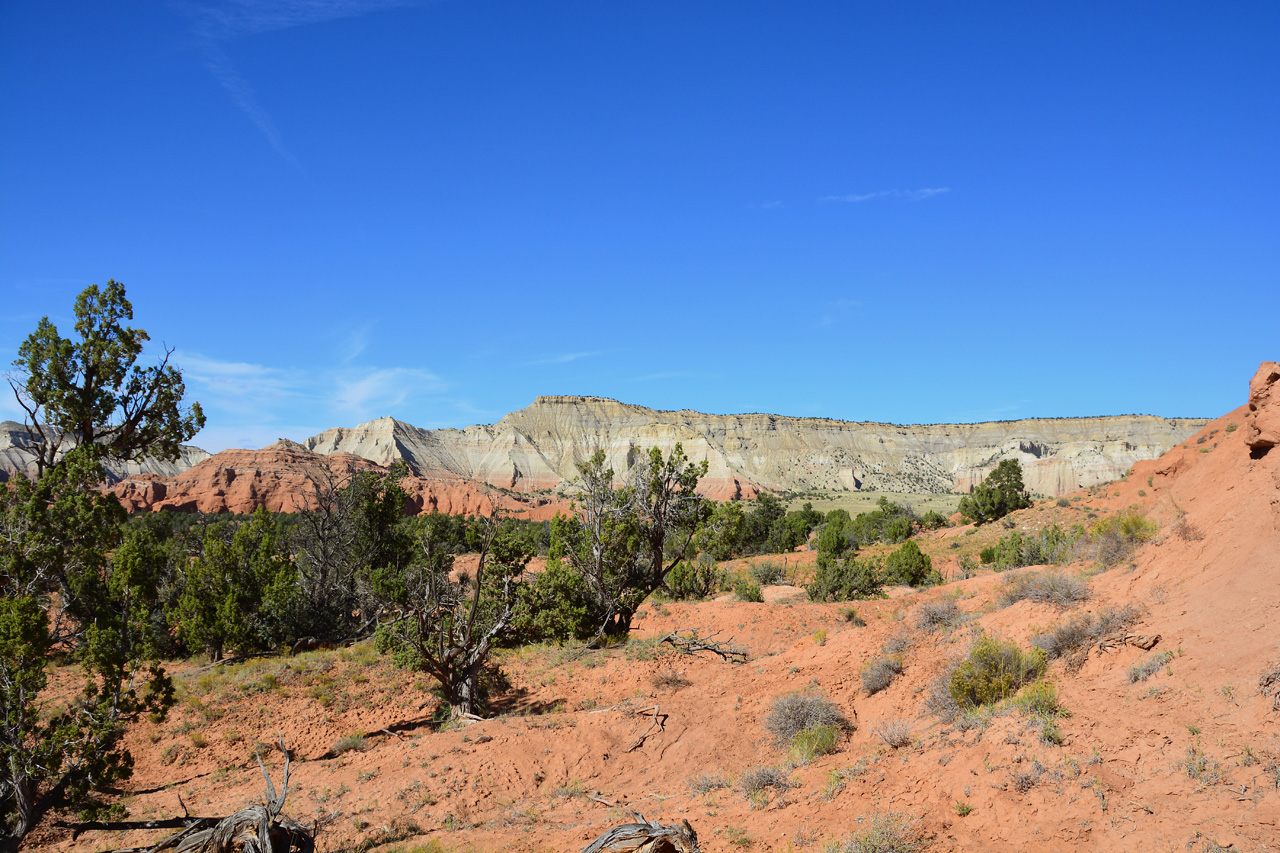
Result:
[[14, 437], [538, 447]]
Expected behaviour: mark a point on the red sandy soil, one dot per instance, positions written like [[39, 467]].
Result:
[[562, 758]]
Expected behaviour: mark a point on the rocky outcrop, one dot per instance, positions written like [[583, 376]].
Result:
[[538, 447], [1262, 423], [285, 477], [14, 437]]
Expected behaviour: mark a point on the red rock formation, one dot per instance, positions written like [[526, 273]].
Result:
[[1262, 424], [284, 476]]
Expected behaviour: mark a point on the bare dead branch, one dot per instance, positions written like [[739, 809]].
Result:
[[686, 640]]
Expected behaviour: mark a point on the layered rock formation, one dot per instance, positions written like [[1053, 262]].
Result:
[[1262, 424], [538, 447], [287, 478], [14, 437]]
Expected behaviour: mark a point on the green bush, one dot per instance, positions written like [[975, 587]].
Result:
[[748, 591], [909, 565], [817, 740], [849, 579], [694, 580], [767, 572], [994, 670], [987, 555], [891, 523]]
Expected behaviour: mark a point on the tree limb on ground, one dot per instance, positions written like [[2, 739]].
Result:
[[686, 640], [646, 836]]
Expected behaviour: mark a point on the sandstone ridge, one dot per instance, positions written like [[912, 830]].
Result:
[[538, 447]]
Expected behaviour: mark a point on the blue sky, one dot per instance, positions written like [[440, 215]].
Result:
[[899, 212]]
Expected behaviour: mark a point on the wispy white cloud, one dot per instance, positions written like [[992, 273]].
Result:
[[354, 343], [216, 23], [374, 393], [239, 387], [766, 205], [898, 195], [565, 358]]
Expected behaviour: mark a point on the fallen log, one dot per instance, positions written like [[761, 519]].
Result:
[[646, 836], [686, 640]]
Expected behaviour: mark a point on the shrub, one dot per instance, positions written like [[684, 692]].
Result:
[[1063, 502], [1056, 588], [909, 565], [1115, 538], [350, 743], [879, 673], [817, 740], [887, 832], [707, 782], [933, 520], [748, 591], [694, 579], [851, 616], [994, 670], [1143, 670], [1071, 640], [669, 679], [1040, 699], [792, 713], [895, 733], [849, 579], [767, 572], [763, 778], [891, 523], [987, 555], [933, 615]]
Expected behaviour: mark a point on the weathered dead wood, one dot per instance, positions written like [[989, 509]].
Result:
[[646, 836], [1146, 642], [257, 828], [1269, 685], [686, 640], [657, 723]]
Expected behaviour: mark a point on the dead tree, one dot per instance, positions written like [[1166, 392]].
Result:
[[256, 828], [646, 836]]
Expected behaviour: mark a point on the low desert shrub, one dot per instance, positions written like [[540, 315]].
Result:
[[707, 782], [817, 740], [1269, 684], [767, 572], [851, 616], [1144, 669], [886, 832], [762, 778], [745, 590], [994, 670], [1040, 699], [669, 679], [1071, 639], [1051, 587], [351, 743], [694, 580], [895, 733], [1113, 539], [878, 673], [1063, 502], [793, 713], [933, 615]]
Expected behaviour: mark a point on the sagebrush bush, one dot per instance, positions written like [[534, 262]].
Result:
[[1113, 539], [705, 782], [895, 733], [1040, 699], [767, 572], [887, 832], [847, 579], [1050, 587], [350, 743], [933, 615], [763, 778], [878, 673], [792, 713], [1071, 639], [994, 670], [1142, 670], [745, 590]]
